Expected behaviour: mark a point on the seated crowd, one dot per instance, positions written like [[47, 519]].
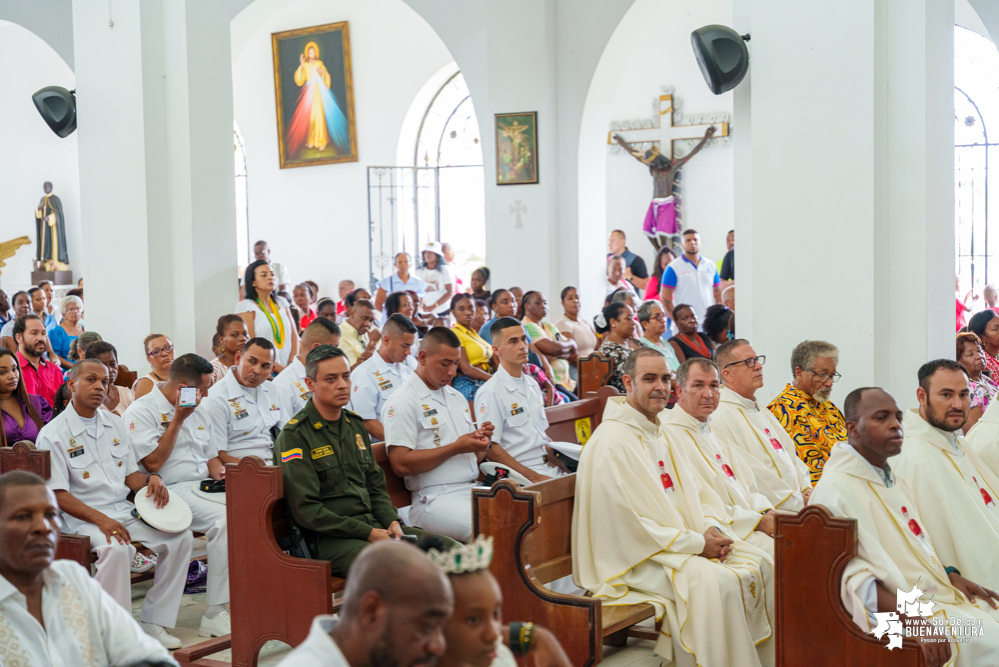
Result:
[[677, 489]]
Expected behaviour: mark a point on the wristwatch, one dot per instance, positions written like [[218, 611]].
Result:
[[153, 474]]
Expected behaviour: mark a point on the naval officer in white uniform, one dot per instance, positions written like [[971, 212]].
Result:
[[176, 442], [376, 379], [433, 442], [512, 402], [243, 406], [290, 383], [93, 470]]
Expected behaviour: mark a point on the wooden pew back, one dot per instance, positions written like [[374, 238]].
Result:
[[575, 422], [396, 486], [811, 550], [593, 372]]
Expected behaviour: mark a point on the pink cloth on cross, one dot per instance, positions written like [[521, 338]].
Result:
[[661, 218]]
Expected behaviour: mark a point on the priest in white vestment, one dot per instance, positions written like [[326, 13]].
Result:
[[718, 465], [954, 491], [780, 475], [896, 551], [640, 535], [983, 438]]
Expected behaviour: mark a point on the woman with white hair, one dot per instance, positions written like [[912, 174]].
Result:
[[69, 329]]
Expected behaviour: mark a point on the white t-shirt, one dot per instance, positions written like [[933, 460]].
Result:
[[281, 275], [437, 281], [262, 326]]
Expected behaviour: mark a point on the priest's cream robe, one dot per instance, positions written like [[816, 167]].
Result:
[[984, 437], [723, 469], [637, 528], [956, 494], [895, 548], [780, 475]]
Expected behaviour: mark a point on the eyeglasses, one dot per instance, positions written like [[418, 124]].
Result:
[[835, 377], [751, 362], [160, 352]]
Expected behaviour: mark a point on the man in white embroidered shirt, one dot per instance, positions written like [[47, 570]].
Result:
[[93, 471], [176, 442], [290, 383], [512, 402], [54, 613], [376, 379], [243, 406]]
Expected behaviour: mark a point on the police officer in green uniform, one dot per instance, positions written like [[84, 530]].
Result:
[[332, 484]]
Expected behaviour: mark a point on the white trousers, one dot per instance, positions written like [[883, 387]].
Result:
[[173, 554], [448, 512], [210, 519]]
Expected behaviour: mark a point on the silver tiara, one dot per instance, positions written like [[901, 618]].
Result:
[[465, 557]]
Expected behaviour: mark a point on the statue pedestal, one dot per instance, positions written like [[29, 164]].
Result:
[[57, 277]]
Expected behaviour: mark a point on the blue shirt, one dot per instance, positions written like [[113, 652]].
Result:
[[61, 341], [393, 283]]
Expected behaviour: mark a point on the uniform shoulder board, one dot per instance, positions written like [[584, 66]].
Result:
[[352, 414]]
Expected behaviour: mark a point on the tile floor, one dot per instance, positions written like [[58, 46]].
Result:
[[638, 653]]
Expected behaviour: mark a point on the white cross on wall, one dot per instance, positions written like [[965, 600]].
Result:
[[666, 133]]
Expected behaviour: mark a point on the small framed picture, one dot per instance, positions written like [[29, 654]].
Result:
[[517, 148]]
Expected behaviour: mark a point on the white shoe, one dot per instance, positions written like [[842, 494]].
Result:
[[142, 564], [160, 634], [216, 627]]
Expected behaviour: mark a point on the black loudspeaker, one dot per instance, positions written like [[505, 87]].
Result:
[[58, 108], [722, 56]]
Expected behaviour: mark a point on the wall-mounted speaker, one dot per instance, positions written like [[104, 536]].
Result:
[[722, 56]]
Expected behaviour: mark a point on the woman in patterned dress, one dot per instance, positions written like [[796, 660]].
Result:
[[985, 325], [971, 356], [616, 325]]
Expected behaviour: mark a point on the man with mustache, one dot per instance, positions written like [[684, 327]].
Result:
[[955, 492], [93, 470], [804, 408], [395, 607], [896, 549], [646, 529], [332, 484], [244, 408], [54, 612], [433, 442]]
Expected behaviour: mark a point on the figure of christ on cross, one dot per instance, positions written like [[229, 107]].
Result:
[[660, 221]]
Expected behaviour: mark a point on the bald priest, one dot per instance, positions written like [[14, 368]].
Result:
[[641, 534]]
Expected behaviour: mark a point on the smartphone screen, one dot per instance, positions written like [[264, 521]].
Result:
[[188, 397]]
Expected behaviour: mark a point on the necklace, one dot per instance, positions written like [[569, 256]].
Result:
[[275, 320]]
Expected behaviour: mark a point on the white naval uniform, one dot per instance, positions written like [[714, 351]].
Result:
[[516, 409], [242, 417], [292, 391], [94, 471], [147, 420], [374, 382], [318, 648], [84, 626], [417, 418]]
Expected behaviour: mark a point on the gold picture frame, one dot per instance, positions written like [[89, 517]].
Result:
[[314, 96], [517, 148]]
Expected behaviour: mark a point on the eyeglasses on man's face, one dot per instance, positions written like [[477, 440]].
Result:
[[825, 377], [751, 362]]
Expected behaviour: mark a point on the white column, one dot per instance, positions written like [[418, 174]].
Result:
[[849, 200], [156, 171]]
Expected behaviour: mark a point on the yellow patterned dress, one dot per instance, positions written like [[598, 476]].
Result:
[[815, 427]]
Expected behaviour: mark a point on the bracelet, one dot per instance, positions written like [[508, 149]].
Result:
[[521, 635], [956, 571], [153, 474]]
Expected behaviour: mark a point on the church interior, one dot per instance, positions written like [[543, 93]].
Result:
[[473, 391]]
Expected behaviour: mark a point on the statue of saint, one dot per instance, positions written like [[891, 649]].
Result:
[[660, 221], [51, 228]]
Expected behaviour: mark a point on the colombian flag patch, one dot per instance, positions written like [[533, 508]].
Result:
[[291, 455]]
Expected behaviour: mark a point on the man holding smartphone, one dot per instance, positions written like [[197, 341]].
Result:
[[332, 484], [172, 436]]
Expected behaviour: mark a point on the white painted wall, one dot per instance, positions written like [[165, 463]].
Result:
[[315, 218], [655, 54], [31, 152]]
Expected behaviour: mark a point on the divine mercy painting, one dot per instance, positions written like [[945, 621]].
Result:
[[315, 96]]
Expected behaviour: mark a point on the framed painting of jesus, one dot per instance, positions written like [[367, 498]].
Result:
[[516, 148], [314, 93]]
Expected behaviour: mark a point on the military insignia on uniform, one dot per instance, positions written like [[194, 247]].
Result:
[[119, 464], [385, 385], [164, 418], [514, 410], [115, 442], [201, 427], [360, 441], [274, 406], [482, 409], [433, 421], [437, 439], [391, 411], [320, 452], [427, 413], [356, 387], [292, 421], [317, 425], [76, 451], [426, 407], [72, 442], [291, 455], [131, 426], [86, 475]]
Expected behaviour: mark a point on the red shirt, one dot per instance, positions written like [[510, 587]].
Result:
[[961, 322], [43, 380], [307, 318]]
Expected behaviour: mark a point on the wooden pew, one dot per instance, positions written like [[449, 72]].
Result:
[[811, 550], [574, 422], [272, 595], [593, 372]]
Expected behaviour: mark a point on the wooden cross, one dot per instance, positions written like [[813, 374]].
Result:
[[666, 133]]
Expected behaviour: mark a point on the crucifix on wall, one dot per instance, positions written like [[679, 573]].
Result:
[[652, 144]]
